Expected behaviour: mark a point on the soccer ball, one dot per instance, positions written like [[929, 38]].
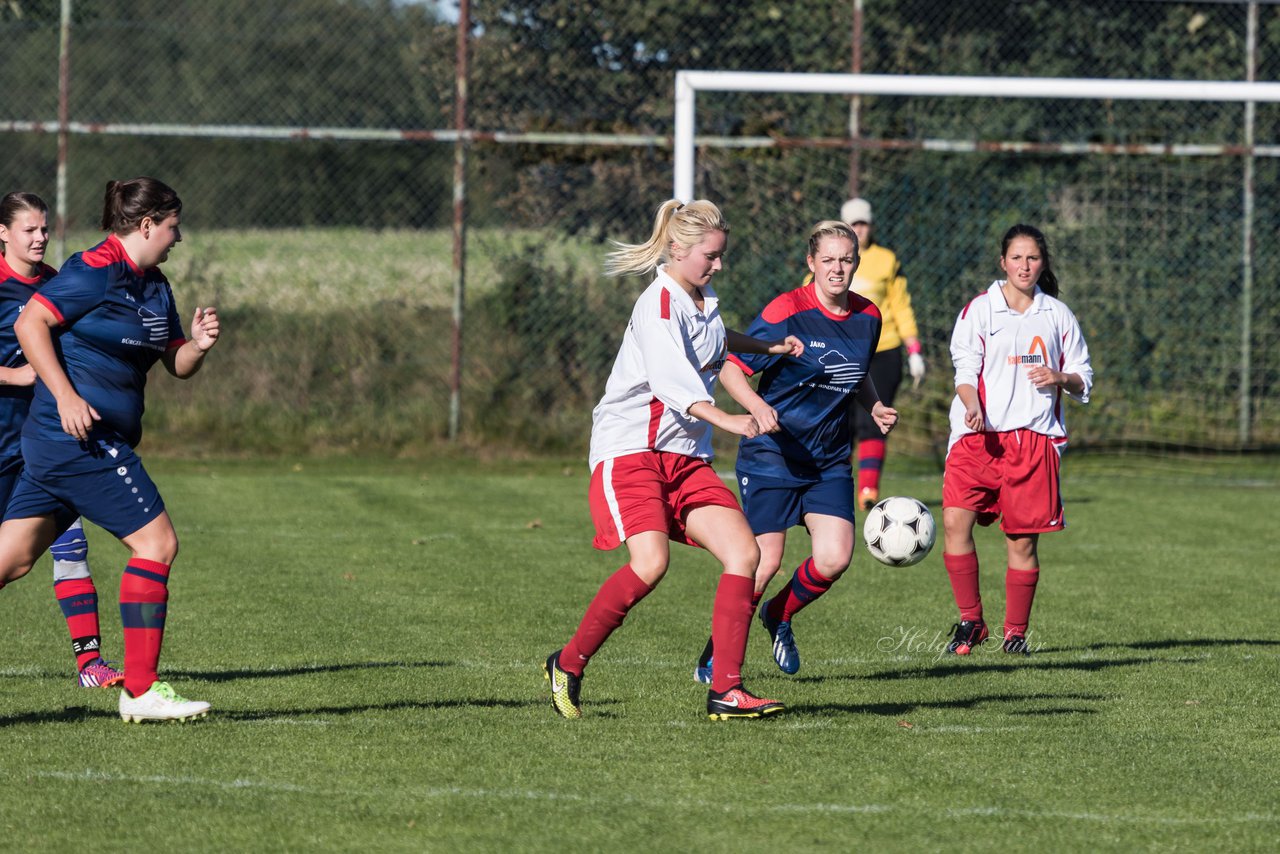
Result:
[[899, 531]]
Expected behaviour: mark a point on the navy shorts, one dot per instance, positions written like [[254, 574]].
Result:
[[775, 505], [121, 499], [9, 478]]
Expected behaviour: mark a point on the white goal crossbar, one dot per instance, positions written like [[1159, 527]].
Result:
[[689, 83]]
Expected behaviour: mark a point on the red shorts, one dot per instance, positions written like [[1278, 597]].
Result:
[[651, 491], [1011, 476]]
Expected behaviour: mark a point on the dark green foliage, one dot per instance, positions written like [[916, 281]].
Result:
[[546, 336]]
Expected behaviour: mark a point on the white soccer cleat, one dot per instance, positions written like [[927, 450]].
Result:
[[160, 703]]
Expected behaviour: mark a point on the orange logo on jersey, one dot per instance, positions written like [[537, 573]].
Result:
[[1033, 358]]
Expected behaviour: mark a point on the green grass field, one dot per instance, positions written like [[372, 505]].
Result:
[[371, 633]]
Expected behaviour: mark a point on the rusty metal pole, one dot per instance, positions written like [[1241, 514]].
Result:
[[855, 105], [460, 146], [1246, 260], [64, 119]]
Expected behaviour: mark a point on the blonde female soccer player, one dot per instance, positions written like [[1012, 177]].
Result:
[[651, 481]]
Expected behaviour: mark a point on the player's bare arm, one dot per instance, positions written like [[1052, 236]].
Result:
[[735, 382]]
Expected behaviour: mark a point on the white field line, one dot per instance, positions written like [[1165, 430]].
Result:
[[444, 792]]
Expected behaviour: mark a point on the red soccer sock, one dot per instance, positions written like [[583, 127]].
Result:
[[806, 584], [144, 597], [755, 603], [78, 599], [963, 572], [606, 612], [1019, 593], [870, 463], [730, 623]]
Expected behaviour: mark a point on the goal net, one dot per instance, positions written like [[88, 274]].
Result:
[[1155, 197]]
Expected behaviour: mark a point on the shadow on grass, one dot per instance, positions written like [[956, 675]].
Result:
[[966, 668], [899, 709], [1195, 643], [303, 670], [82, 714]]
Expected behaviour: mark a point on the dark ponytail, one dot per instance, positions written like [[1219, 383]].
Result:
[[1048, 281], [128, 203]]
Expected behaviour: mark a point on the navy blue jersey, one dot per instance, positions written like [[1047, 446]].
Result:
[[15, 400], [812, 394], [116, 321]]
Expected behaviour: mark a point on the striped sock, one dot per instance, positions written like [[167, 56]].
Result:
[[806, 584], [870, 463], [144, 597], [78, 599]]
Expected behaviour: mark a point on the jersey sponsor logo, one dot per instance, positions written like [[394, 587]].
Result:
[[157, 327], [1033, 358], [839, 369]]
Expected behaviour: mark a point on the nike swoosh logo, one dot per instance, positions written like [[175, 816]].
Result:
[[994, 331], [732, 704]]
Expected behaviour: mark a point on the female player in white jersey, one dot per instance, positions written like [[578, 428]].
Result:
[[651, 480], [1016, 349]]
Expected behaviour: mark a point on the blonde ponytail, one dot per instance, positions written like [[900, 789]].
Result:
[[685, 225]]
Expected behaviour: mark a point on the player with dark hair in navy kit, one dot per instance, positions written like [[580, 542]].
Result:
[[797, 470], [24, 236], [92, 334]]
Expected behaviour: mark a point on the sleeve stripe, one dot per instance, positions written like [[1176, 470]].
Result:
[[40, 298], [741, 364]]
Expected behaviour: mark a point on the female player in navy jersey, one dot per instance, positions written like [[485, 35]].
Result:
[[799, 472], [24, 235], [1016, 349], [651, 482], [114, 316]]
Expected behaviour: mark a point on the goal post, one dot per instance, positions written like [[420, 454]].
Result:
[[689, 83]]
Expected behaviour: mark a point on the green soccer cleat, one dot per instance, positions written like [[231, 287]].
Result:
[[565, 688]]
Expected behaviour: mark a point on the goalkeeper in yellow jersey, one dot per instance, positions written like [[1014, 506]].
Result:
[[879, 278]]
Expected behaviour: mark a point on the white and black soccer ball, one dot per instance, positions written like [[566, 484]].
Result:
[[899, 531]]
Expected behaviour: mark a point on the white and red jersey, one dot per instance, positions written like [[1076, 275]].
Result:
[[670, 357], [993, 347]]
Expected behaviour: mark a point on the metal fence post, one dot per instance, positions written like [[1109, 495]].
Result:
[[459, 219], [64, 118], [1246, 260]]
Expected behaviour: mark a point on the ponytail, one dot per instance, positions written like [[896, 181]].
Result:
[[675, 222], [127, 203]]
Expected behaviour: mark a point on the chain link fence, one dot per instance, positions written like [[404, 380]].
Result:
[[313, 143]]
